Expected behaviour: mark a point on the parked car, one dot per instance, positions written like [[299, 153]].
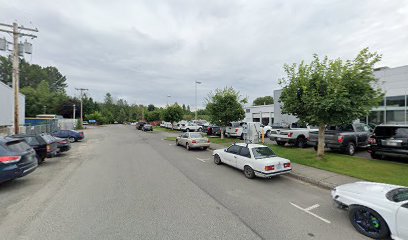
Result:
[[85, 123], [37, 143], [190, 127], [255, 160], [63, 144], [346, 138], [52, 145], [214, 130], [193, 140], [71, 135], [17, 159], [147, 127], [295, 135], [376, 210], [139, 125], [268, 130], [389, 140], [235, 129]]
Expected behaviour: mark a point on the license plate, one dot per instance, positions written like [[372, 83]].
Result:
[[391, 144], [279, 166], [278, 139]]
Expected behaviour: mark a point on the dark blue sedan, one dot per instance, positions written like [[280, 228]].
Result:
[[17, 159], [71, 135]]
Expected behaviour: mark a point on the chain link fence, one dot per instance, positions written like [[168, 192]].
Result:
[[37, 129]]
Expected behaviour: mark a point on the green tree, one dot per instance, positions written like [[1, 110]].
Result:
[[151, 107], [97, 116], [263, 101], [153, 115], [331, 92], [173, 113], [224, 106]]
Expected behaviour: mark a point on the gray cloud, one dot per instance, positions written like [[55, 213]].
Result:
[[145, 50]]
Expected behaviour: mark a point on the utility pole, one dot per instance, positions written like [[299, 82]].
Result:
[[73, 112], [168, 96], [45, 109], [196, 82], [81, 90], [16, 31]]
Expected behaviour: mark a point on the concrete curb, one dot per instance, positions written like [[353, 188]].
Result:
[[310, 180]]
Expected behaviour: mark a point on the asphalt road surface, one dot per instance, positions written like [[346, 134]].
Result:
[[121, 183]]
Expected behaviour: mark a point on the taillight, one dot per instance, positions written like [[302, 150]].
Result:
[[194, 141], [286, 165], [208, 140], [290, 134], [372, 141], [48, 148], [340, 139], [236, 129], [9, 159], [269, 168]]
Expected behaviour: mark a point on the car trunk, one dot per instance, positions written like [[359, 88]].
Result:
[[392, 137], [25, 151]]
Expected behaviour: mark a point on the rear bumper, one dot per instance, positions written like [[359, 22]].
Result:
[[52, 154], [14, 171], [199, 145], [268, 175], [388, 151]]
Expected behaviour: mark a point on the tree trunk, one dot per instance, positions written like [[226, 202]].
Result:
[[320, 146], [222, 133]]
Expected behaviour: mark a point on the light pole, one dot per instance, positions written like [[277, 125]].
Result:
[[168, 96], [196, 82], [73, 112]]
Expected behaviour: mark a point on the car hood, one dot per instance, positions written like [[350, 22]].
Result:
[[377, 190]]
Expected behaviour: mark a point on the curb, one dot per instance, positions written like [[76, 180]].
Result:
[[312, 181]]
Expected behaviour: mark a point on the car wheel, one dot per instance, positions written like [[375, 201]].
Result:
[[71, 139], [351, 149], [375, 156], [188, 147], [205, 148], [280, 143], [301, 142], [368, 222], [177, 143], [217, 160], [249, 172]]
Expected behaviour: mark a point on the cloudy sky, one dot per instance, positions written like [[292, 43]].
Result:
[[145, 50]]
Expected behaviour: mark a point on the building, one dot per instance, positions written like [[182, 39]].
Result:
[[7, 106], [393, 110], [262, 113]]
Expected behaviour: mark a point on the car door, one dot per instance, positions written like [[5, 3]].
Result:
[[242, 158], [184, 139], [362, 134], [231, 154], [402, 220]]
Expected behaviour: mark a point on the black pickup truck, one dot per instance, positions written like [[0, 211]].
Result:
[[346, 138]]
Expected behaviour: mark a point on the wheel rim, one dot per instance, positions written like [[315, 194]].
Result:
[[71, 139], [351, 149], [217, 159], [367, 222], [248, 172]]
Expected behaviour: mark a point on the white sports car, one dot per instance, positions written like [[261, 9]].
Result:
[[376, 210], [253, 159]]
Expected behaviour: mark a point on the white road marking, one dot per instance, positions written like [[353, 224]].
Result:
[[306, 210], [171, 144], [203, 160]]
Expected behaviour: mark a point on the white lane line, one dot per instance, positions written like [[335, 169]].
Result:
[[171, 144], [312, 207], [313, 214], [203, 160]]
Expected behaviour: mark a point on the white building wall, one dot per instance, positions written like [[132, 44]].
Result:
[[7, 106], [281, 119], [393, 81], [266, 112]]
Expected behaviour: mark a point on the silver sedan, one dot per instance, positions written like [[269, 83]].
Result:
[[193, 140]]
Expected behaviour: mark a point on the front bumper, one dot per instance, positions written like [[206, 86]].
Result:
[[272, 174]]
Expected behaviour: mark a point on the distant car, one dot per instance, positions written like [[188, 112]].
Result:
[[190, 127], [376, 210], [85, 123], [254, 159], [139, 125], [17, 159], [147, 127], [389, 140], [37, 143], [214, 131], [63, 144], [52, 145], [71, 135], [192, 140]]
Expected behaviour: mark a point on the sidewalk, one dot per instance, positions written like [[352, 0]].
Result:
[[318, 177]]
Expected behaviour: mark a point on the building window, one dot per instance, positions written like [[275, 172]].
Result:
[[397, 101], [395, 116], [248, 110], [376, 117]]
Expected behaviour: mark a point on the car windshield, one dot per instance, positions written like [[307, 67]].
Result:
[[196, 135], [398, 195], [263, 152]]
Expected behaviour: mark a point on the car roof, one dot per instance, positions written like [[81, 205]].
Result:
[[250, 145]]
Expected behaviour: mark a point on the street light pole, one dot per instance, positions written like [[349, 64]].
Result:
[[168, 96], [196, 82], [73, 112]]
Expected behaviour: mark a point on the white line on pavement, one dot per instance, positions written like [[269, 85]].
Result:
[[203, 160], [308, 211]]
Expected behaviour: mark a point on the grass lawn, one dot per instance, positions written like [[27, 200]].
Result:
[[160, 129], [170, 138], [367, 169]]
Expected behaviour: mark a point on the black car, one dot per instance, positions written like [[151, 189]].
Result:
[[214, 131], [389, 140], [37, 142], [147, 127], [139, 125], [62, 144], [71, 135], [52, 145], [17, 159]]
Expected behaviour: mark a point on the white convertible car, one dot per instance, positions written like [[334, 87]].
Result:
[[253, 159], [376, 210]]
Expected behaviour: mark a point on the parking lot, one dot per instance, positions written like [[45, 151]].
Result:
[[120, 183]]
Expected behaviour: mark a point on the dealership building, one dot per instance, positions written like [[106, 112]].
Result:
[[392, 110], [7, 106]]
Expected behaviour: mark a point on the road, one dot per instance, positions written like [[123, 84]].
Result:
[[121, 183]]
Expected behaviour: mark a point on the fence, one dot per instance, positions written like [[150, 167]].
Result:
[[37, 129]]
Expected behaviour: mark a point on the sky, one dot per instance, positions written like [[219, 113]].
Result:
[[144, 51]]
